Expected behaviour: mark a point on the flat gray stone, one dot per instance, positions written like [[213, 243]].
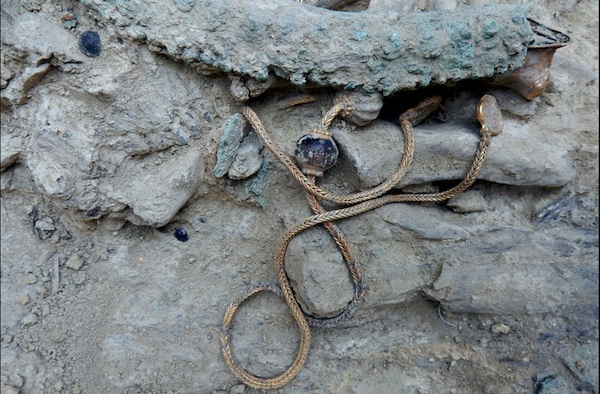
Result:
[[497, 274], [468, 201], [421, 222], [443, 152], [248, 159], [233, 133], [156, 195]]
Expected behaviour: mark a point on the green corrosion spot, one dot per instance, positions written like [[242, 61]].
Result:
[[394, 49], [415, 69], [490, 29], [360, 35], [297, 79]]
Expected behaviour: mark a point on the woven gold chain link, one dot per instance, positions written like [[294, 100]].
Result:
[[488, 115]]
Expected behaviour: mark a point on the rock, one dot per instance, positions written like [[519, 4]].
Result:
[[392, 271], [515, 104], [318, 274], [30, 279], [244, 88], [45, 310], [394, 6], [422, 222], [497, 275], [30, 319], [468, 201], [549, 211], [366, 107], [552, 385], [500, 328], [238, 389], [8, 389], [12, 147], [519, 156], [248, 159], [41, 291], [45, 224], [233, 133], [80, 279], [421, 188], [30, 34], [82, 133], [428, 364], [16, 92], [156, 195], [23, 299], [16, 380], [58, 386], [75, 262], [582, 361]]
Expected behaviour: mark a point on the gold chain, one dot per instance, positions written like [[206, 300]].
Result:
[[489, 116]]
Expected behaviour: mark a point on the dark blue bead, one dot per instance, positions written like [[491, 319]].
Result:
[[181, 234], [316, 153], [89, 43]]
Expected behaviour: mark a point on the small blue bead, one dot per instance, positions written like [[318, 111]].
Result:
[[89, 44], [181, 234]]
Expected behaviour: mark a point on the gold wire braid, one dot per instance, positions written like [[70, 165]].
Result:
[[296, 100], [360, 202]]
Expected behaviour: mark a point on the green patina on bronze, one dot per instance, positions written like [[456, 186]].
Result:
[[365, 51]]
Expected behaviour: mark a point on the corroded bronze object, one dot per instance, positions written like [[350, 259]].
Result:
[[531, 79]]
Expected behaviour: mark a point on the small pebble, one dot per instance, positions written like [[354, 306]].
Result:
[[89, 43], [80, 278], [16, 380], [58, 386], [181, 234], [500, 328], [470, 201], [42, 291], [30, 319], [8, 389], [75, 262], [45, 310], [238, 389], [23, 299], [30, 279], [45, 224]]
